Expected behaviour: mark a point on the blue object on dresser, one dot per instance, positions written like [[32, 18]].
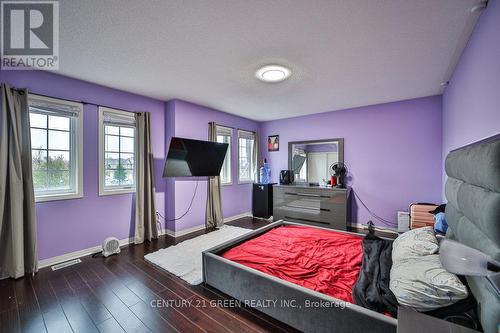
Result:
[[265, 173]]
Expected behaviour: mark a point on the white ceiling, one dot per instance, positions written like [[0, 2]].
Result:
[[343, 53]]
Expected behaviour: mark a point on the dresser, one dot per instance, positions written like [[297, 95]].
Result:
[[319, 206]]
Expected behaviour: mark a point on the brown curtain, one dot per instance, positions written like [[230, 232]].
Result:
[[214, 217], [145, 208], [256, 157], [18, 249]]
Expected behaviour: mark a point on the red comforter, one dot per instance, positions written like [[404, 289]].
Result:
[[322, 260]]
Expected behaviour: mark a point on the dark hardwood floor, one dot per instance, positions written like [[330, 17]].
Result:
[[123, 293]]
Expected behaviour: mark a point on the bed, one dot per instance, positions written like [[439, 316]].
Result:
[[473, 214], [473, 211], [298, 306], [326, 261]]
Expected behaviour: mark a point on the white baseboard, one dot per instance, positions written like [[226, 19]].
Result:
[[82, 253], [183, 232], [235, 217], [179, 233], [126, 241]]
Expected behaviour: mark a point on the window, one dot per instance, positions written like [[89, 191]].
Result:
[[56, 148], [224, 135], [300, 170], [247, 162], [116, 151]]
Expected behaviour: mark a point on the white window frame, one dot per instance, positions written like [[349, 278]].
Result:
[[227, 131], [107, 190], [75, 148], [242, 134]]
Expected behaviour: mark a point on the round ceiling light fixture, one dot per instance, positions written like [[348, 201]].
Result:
[[273, 73]]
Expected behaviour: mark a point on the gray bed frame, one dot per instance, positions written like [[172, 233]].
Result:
[[472, 212], [473, 215], [297, 306]]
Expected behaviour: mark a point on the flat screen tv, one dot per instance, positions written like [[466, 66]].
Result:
[[194, 158]]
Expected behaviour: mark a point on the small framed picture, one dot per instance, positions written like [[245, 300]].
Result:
[[273, 143]]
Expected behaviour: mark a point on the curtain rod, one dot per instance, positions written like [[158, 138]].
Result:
[[231, 127], [111, 107], [73, 100]]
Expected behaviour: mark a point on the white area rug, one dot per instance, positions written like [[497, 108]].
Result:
[[184, 259]]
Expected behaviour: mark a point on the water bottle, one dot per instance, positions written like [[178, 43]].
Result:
[[265, 173], [268, 173]]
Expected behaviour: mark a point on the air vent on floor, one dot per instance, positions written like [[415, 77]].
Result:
[[66, 264]]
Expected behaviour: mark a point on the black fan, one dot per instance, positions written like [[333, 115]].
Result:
[[339, 170]]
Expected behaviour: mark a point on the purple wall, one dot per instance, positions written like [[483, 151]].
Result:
[[393, 151], [471, 102], [191, 121], [71, 225]]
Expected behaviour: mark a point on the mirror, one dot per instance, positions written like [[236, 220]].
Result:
[[310, 160]]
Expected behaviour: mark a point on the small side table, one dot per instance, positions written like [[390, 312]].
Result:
[[410, 321], [262, 200]]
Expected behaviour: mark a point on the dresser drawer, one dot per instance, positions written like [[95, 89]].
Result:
[[319, 218], [311, 205], [309, 192]]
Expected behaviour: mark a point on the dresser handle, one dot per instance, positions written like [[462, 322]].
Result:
[[306, 220], [307, 195], [309, 208]]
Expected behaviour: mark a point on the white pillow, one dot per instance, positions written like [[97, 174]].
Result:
[[416, 242], [423, 284]]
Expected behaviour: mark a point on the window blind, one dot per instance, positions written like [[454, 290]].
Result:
[[222, 130], [110, 117], [246, 134], [53, 108]]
